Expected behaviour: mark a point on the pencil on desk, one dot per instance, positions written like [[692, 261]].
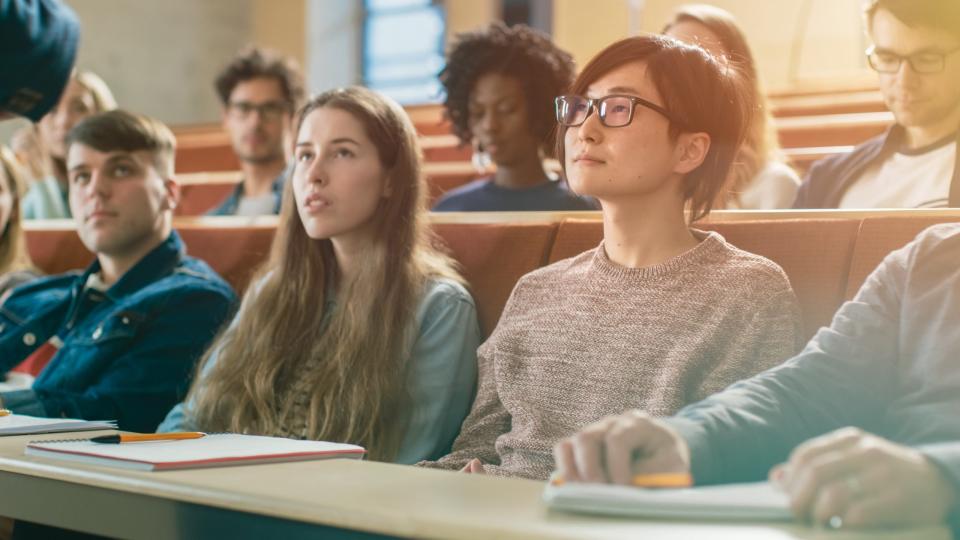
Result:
[[144, 437], [657, 480]]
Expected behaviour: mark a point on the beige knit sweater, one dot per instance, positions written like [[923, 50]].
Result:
[[586, 338]]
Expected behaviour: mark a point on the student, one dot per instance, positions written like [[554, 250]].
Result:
[[15, 265], [43, 148], [759, 179], [259, 91], [500, 83], [660, 314], [356, 330], [916, 54], [122, 338], [39, 39], [887, 366]]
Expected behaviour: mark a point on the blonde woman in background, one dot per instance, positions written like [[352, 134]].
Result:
[[15, 265], [42, 150], [759, 178]]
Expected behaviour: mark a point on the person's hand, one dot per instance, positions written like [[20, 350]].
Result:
[[474, 466], [849, 478], [617, 448]]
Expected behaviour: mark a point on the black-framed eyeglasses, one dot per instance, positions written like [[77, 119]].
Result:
[[615, 110], [270, 110], [927, 62]]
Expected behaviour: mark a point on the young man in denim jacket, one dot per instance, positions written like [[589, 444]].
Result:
[[120, 340]]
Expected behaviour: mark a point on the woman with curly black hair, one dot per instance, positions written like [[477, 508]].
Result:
[[500, 84]]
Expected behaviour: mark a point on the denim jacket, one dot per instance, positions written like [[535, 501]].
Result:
[[229, 205], [128, 352]]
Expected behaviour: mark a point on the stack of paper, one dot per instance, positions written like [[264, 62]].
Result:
[[216, 450], [755, 501], [18, 424]]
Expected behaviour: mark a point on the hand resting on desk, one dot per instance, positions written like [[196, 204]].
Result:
[[852, 478], [847, 478]]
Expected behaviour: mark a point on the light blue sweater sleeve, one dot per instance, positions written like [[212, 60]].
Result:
[[443, 373], [442, 377], [180, 417]]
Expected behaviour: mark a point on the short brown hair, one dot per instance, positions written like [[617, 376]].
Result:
[[941, 14], [701, 93], [257, 63], [127, 132]]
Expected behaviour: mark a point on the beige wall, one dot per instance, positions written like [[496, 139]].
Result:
[[584, 28], [281, 25], [467, 15], [794, 47]]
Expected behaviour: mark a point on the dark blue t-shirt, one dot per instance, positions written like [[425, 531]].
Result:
[[485, 196]]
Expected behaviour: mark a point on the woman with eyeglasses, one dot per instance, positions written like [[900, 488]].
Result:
[[659, 314], [759, 178]]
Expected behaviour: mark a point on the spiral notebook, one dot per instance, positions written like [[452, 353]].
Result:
[[19, 424], [752, 501], [217, 450]]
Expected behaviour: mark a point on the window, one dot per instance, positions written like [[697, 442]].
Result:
[[403, 49]]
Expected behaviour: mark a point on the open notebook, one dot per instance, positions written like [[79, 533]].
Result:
[[18, 424], [216, 450], [755, 501]]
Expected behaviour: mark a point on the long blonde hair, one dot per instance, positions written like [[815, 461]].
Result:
[[13, 249], [362, 346], [29, 146], [760, 145]]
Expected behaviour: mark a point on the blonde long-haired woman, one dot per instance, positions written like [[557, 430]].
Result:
[[15, 265], [42, 148], [759, 178], [356, 330]]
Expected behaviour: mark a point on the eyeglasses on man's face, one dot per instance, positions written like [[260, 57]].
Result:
[[615, 110], [270, 110], [925, 62]]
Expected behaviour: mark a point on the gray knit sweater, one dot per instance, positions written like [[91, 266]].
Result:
[[585, 338]]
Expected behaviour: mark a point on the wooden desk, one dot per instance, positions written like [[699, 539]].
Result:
[[345, 498]]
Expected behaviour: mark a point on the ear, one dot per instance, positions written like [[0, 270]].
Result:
[[690, 151], [172, 189], [224, 119], [387, 187]]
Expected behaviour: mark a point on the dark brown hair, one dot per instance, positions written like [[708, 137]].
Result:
[[128, 132], [257, 63], [941, 14], [701, 93]]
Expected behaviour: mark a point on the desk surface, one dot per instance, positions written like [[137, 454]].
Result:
[[363, 496]]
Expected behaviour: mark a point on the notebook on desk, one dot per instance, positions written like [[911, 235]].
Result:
[[18, 424], [217, 450], [754, 501]]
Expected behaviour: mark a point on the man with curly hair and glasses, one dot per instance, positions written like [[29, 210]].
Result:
[[500, 83], [916, 53], [259, 91]]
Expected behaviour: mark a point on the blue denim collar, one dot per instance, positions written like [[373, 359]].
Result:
[[153, 266]]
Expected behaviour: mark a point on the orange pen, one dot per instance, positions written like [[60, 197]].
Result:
[[144, 437], [657, 480]]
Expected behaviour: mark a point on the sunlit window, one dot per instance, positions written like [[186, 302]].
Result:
[[403, 49]]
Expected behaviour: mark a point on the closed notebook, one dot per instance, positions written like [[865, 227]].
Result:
[[217, 450], [18, 424], [754, 501]]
